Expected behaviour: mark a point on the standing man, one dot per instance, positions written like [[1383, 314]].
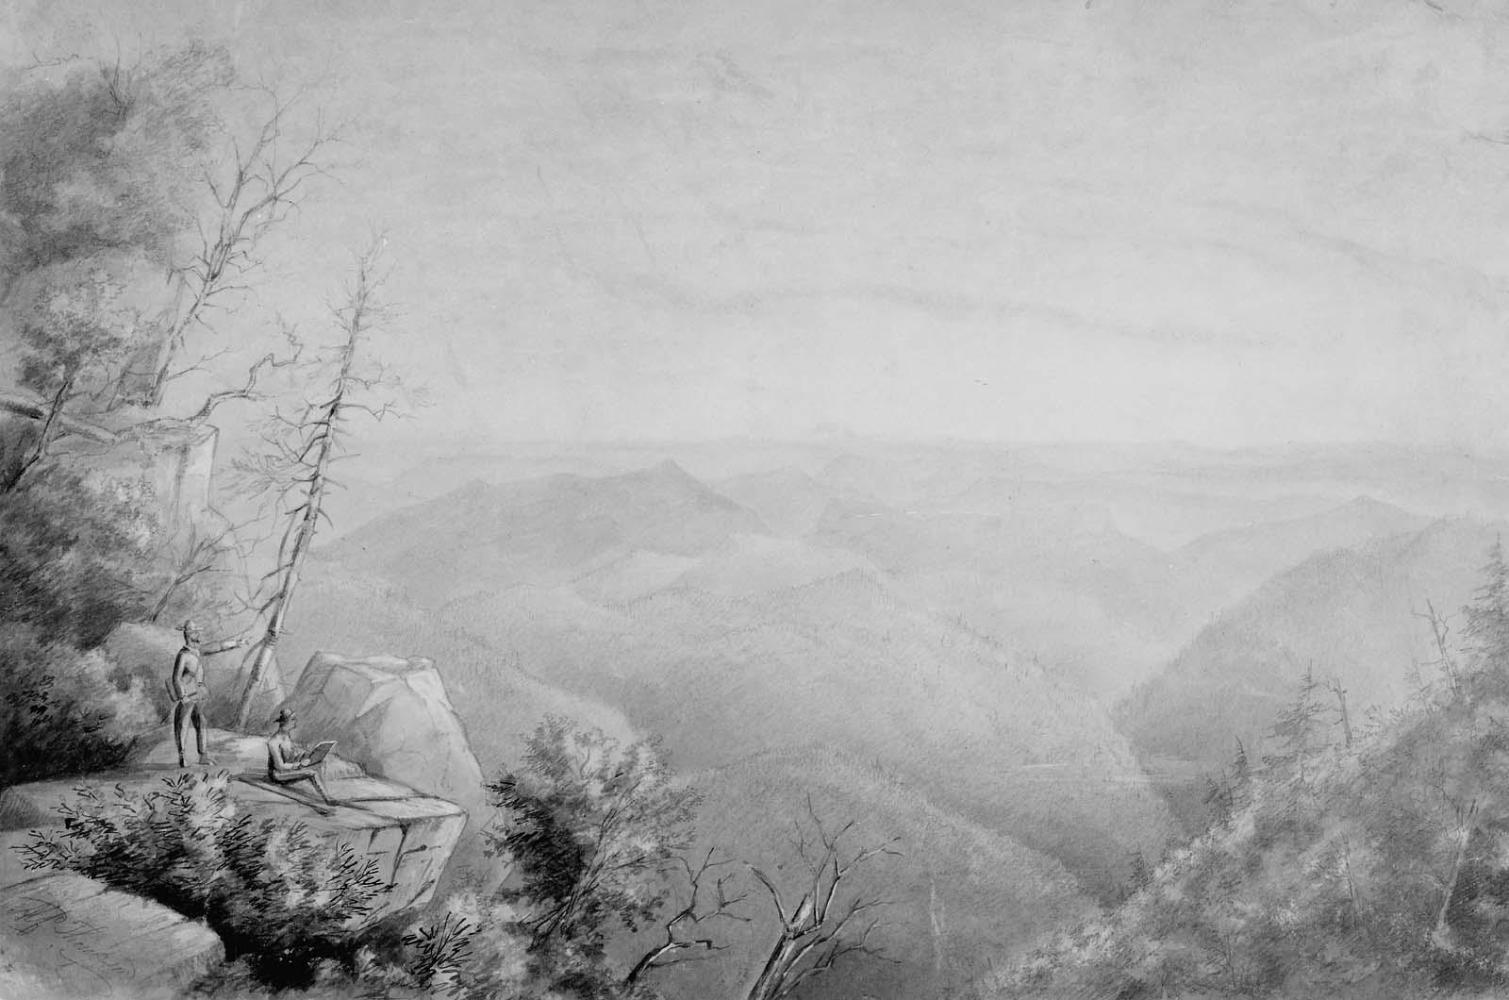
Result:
[[188, 688]]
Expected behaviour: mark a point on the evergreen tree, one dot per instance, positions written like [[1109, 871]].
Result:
[[1487, 616], [1297, 729], [1218, 800], [1142, 875], [1239, 788]]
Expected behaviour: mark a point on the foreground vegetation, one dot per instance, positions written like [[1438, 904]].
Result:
[[1340, 865]]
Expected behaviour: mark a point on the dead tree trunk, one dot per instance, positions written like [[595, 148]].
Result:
[[320, 432], [1341, 709], [1467, 823], [1440, 630], [262, 189], [814, 934], [677, 944]]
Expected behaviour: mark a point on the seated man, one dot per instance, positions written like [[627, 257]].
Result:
[[287, 762]]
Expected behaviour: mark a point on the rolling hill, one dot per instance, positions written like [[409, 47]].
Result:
[[651, 593], [961, 895], [844, 662], [1350, 614], [482, 538]]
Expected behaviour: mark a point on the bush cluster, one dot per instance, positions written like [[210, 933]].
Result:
[[66, 711], [279, 896]]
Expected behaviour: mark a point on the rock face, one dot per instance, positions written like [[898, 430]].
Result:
[[147, 651], [410, 835], [393, 717], [64, 935]]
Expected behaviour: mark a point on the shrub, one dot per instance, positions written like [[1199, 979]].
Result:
[[66, 711], [590, 825], [279, 896]]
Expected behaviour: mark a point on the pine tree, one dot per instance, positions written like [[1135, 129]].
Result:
[[1297, 729], [1487, 616], [1240, 786], [1141, 875], [1218, 800]]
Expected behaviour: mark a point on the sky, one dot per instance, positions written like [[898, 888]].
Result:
[[1229, 223]]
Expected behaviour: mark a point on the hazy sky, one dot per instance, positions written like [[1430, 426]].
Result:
[[1225, 222]]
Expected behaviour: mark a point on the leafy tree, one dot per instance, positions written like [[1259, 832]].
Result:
[[77, 556], [73, 342], [103, 159], [148, 167], [592, 828]]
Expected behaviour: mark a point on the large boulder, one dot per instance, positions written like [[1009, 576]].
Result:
[[393, 717], [148, 651]]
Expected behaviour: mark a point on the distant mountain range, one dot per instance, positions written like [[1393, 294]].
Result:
[[482, 538], [651, 593], [933, 648]]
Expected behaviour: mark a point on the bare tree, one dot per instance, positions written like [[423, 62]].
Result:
[[296, 470], [196, 552], [678, 945], [1440, 630], [262, 188], [816, 931], [1345, 718]]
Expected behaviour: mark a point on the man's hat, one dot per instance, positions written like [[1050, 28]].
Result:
[[190, 625], [284, 715]]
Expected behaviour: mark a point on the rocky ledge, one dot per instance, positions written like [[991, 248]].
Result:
[[410, 835]]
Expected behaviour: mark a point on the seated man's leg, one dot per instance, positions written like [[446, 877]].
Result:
[[308, 774]]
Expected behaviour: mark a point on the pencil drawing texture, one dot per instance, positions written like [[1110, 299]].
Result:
[[754, 501]]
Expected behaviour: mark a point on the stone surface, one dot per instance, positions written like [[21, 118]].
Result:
[[175, 457], [393, 717], [410, 835], [66, 936]]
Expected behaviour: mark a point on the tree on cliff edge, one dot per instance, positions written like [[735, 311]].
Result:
[[295, 470]]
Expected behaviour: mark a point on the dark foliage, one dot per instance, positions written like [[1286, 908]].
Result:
[[591, 827], [100, 160], [280, 897], [65, 711], [76, 559]]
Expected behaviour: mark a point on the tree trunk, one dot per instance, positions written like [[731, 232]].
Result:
[[778, 965], [1439, 935], [322, 441], [50, 427]]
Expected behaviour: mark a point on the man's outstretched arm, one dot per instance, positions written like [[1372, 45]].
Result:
[[225, 645]]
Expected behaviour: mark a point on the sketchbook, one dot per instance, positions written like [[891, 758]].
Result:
[[318, 753]]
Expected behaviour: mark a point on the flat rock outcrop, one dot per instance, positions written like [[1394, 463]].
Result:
[[66, 936], [393, 717], [409, 834]]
